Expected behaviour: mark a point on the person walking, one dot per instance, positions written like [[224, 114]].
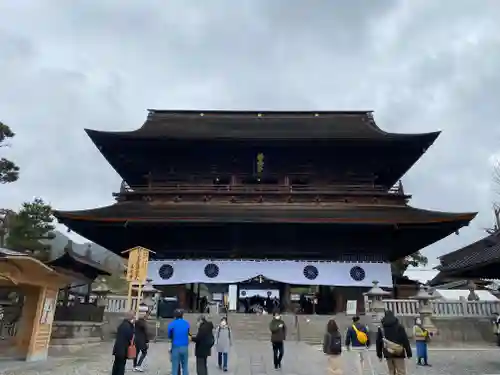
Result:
[[278, 336], [204, 340], [223, 342], [393, 344], [358, 340], [124, 339], [422, 337], [332, 347], [178, 333], [141, 342], [496, 327]]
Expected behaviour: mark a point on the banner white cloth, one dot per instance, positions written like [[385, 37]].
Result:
[[172, 272]]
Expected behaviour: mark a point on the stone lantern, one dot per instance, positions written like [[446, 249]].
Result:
[[101, 292], [377, 308], [424, 297], [472, 292], [148, 299]]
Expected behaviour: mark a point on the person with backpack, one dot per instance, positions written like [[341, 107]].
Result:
[[357, 339], [204, 340], [223, 342], [332, 347], [393, 344]]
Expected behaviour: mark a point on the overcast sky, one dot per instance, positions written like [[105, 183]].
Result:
[[420, 65]]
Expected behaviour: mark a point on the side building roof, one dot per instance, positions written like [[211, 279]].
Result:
[[78, 264], [470, 259]]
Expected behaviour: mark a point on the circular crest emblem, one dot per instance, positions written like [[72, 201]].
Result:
[[166, 271], [310, 272], [357, 273], [212, 270], [243, 293]]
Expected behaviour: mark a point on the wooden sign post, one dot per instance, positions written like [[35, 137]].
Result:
[[137, 272]]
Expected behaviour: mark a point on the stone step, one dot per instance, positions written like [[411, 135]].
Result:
[[306, 328]]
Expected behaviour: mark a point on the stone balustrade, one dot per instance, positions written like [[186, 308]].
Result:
[[442, 309], [400, 307], [118, 304]]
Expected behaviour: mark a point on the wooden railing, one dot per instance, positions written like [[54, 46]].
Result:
[[445, 309], [264, 188]]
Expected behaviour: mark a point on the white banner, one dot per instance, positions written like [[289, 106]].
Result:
[[172, 272]]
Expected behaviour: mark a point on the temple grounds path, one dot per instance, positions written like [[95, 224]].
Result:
[[254, 358]]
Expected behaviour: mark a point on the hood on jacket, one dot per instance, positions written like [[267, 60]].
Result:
[[389, 320]]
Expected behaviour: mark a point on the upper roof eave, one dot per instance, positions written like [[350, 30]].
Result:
[[286, 125]]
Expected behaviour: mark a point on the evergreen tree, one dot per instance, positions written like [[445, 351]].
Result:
[[9, 171], [34, 222]]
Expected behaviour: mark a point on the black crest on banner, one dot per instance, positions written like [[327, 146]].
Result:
[[166, 271], [357, 273], [310, 272], [211, 270]]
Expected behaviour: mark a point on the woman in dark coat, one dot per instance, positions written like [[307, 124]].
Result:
[[124, 337], [141, 342], [204, 340]]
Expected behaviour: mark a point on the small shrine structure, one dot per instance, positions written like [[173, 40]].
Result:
[[38, 284]]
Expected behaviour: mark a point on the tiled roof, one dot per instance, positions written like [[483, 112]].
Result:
[[479, 256], [470, 249]]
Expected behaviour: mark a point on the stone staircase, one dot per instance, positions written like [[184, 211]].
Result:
[[306, 328]]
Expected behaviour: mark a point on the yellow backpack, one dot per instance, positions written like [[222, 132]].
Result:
[[360, 335]]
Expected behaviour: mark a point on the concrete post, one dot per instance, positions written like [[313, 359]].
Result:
[[424, 298], [377, 308]]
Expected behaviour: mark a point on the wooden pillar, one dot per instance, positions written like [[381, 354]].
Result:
[[181, 296], [35, 325], [339, 300], [286, 298]]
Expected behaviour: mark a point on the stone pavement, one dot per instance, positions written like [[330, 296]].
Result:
[[255, 358]]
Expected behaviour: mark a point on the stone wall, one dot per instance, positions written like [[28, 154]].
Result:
[[75, 333]]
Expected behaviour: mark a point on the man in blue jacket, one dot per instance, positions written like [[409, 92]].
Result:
[[358, 340], [178, 333]]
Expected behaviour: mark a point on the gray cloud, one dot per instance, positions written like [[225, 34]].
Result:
[[421, 66]]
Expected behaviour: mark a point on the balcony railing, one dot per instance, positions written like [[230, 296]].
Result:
[[264, 188]]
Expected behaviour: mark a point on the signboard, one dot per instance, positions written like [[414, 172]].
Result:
[[233, 297], [137, 267], [352, 307], [48, 311]]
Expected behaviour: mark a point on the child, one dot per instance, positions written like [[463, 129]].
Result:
[[422, 336], [332, 346], [223, 341]]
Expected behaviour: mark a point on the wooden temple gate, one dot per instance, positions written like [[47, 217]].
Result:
[[37, 286]]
